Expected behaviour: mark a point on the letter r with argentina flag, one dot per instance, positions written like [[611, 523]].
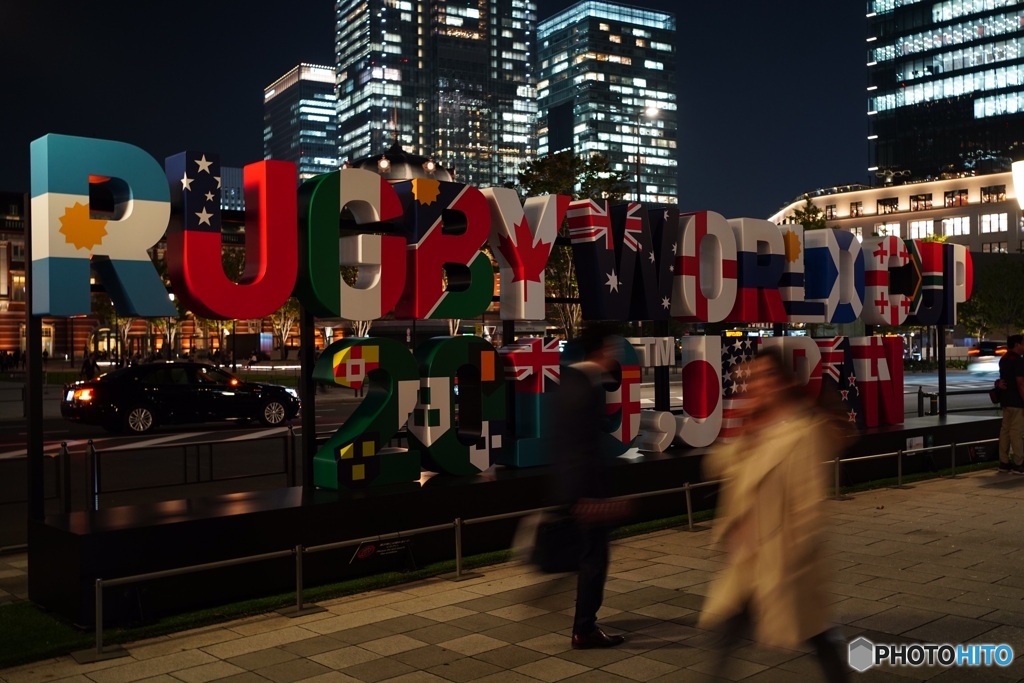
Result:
[[69, 235]]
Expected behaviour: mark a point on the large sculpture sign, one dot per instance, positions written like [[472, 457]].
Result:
[[417, 247]]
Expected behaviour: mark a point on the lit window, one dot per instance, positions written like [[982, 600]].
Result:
[[920, 202], [856, 209], [955, 198], [956, 225], [993, 193], [921, 229], [888, 205], [886, 229], [993, 222]]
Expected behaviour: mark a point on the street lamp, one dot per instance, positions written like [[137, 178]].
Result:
[[650, 113]]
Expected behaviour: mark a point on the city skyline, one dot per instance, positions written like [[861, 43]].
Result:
[[770, 105]]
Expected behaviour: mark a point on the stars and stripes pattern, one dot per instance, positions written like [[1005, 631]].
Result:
[[735, 354]]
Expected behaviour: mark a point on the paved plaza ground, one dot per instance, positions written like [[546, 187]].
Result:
[[937, 563]]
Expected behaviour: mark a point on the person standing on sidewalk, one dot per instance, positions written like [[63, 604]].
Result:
[[581, 478], [771, 521], [1011, 397]]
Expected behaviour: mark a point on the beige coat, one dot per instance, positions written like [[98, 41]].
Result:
[[770, 519]]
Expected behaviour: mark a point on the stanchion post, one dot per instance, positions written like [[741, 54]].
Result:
[[920, 402], [300, 609], [99, 617], [298, 578], [952, 459], [689, 506], [899, 468], [458, 575], [99, 654], [835, 486], [458, 548], [94, 475], [289, 450], [836, 495], [65, 473]]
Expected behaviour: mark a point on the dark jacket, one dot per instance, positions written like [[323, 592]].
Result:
[[579, 468]]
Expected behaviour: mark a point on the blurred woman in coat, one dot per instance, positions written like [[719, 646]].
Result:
[[771, 519]]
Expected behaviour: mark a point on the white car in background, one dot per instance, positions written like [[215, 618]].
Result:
[[984, 356]]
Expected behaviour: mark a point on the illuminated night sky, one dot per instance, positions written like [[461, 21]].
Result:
[[772, 96]]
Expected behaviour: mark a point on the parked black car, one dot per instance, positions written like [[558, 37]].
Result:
[[138, 398]]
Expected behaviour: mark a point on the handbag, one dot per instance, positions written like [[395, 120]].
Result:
[[556, 547], [993, 393]]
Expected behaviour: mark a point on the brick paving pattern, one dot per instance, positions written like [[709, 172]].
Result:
[[939, 563]]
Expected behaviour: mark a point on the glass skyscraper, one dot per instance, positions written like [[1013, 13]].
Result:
[[606, 84], [946, 87], [447, 80], [300, 121]]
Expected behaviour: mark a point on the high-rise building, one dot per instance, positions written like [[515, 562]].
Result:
[[449, 80], [946, 87], [606, 84], [299, 120]]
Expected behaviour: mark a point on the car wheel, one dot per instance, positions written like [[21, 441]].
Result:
[[273, 413], [139, 420]]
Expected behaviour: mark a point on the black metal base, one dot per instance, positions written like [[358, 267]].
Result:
[[68, 553]]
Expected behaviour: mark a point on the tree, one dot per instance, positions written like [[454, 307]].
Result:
[[282, 321], [562, 173], [997, 300], [809, 215]]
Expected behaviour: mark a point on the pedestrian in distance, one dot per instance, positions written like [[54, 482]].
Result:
[[770, 520], [1011, 398]]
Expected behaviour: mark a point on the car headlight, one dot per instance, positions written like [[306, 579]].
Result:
[[291, 391]]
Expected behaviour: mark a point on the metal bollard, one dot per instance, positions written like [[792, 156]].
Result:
[[298, 578], [458, 548], [689, 506], [835, 488], [920, 402], [99, 617], [933, 405], [93, 463], [952, 459]]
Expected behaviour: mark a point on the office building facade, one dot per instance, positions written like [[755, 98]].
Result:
[[606, 84], [946, 87], [980, 212], [451, 81], [300, 120]]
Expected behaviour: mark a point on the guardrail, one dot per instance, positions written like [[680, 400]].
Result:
[[299, 551], [933, 401], [198, 461], [838, 462]]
